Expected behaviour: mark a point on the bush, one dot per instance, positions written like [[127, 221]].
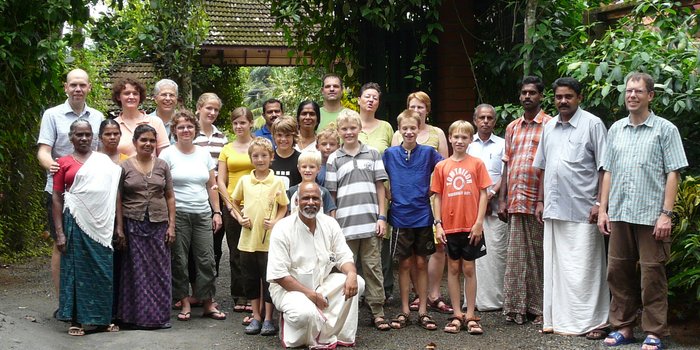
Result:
[[684, 264]]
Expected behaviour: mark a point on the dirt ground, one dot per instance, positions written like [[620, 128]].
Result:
[[27, 302]]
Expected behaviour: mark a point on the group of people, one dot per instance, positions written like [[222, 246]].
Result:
[[140, 211]]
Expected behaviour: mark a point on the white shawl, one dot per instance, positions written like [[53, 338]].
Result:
[[93, 196]]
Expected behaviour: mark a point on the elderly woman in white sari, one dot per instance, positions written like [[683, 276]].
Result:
[[84, 207]]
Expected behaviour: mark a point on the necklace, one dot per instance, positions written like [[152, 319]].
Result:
[[142, 169], [81, 160]]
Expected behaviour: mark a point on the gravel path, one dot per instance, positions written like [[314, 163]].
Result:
[[27, 302]]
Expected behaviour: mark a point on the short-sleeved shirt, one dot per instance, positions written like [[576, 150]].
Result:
[[237, 165], [459, 183], [55, 125], [638, 159], [190, 173], [409, 176], [330, 117], [491, 153], [521, 141], [126, 143], [145, 193], [166, 125], [64, 177], [262, 199], [304, 255], [266, 133], [214, 143], [571, 154], [379, 138], [328, 202], [286, 168], [354, 179]]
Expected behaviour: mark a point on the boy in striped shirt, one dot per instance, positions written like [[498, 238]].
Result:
[[354, 176]]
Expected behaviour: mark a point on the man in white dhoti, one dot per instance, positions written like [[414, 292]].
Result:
[[576, 295], [318, 303], [491, 268]]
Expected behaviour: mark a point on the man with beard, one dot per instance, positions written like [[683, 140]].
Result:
[[318, 303], [522, 286]]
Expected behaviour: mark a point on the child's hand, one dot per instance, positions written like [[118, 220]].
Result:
[[244, 221], [476, 234], [440, 233], [269, 223], [381, 228]]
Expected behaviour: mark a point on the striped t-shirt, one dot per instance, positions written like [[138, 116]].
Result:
[[354, 178], [213, 144]]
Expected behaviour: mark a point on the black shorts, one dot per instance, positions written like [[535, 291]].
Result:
[[254, 270], [407, 242], [458, 247]]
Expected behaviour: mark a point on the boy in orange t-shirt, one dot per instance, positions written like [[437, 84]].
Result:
[[460, 184]]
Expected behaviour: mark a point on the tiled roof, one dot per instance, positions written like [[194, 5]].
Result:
[[143, 72], [242, 23]]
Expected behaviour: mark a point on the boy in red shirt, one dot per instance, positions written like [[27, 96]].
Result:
[[460, 183]]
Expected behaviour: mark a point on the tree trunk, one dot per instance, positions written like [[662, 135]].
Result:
[[528, 23]]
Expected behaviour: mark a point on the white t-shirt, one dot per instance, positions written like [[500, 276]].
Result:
[[190, 173]]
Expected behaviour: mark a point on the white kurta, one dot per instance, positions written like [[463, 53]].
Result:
[[576, 295], [309, 258]]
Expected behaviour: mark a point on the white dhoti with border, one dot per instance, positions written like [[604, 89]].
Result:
[[303, 324], [576, 294]]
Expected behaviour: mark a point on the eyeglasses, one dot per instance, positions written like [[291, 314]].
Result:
[[167, 95], [184, 127], [631, 92]]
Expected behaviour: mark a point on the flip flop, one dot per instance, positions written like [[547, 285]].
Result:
[[76, 331], [184, 316], [653, 341], [247, 320], [215, 315], [239, 308], [619, 339]]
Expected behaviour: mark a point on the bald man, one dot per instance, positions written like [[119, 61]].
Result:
[[318, 303], [54, 142]]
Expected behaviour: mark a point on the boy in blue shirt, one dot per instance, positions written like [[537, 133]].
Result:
[[409, 166]]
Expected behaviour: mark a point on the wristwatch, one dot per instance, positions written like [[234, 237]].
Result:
[[668, 213], [216, 212], [436, 222]]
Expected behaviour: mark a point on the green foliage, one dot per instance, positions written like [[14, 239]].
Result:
[[32, 69], [291, 85], [332, 32], [684, 263], [658, 38], [226, 82]]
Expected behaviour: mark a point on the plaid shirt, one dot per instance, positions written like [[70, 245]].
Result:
[[639, 158], [522, 139]]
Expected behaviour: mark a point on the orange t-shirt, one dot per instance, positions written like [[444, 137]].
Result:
[[459, 183]]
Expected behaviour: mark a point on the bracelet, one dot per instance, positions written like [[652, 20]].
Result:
[[381, 217], [217, 212]]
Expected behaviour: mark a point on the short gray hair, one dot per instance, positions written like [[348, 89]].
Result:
[[164, 83], [484, 105]]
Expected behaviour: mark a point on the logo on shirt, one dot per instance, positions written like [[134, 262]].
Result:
[[458, 178]]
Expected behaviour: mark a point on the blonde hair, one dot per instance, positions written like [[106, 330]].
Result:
[[208, 97], [347, 117], [240, 112], [408, 114], [461, 126], [420, 96], [262, 143], [328, 134], [313, 157]]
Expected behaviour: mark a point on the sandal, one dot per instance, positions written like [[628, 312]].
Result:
[[76, 331], [239, 308], [539, 320], [427, 322], [452, 327], [184, 316], [381, 324], [653, 341], [415, 304], [254, 327], [596, 334], [247, 320], [440, 306], [619, 339], [473, 326], [268, 328], [111, 328], [215, 315], [400, 321], [248, 308], [519, 319]]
